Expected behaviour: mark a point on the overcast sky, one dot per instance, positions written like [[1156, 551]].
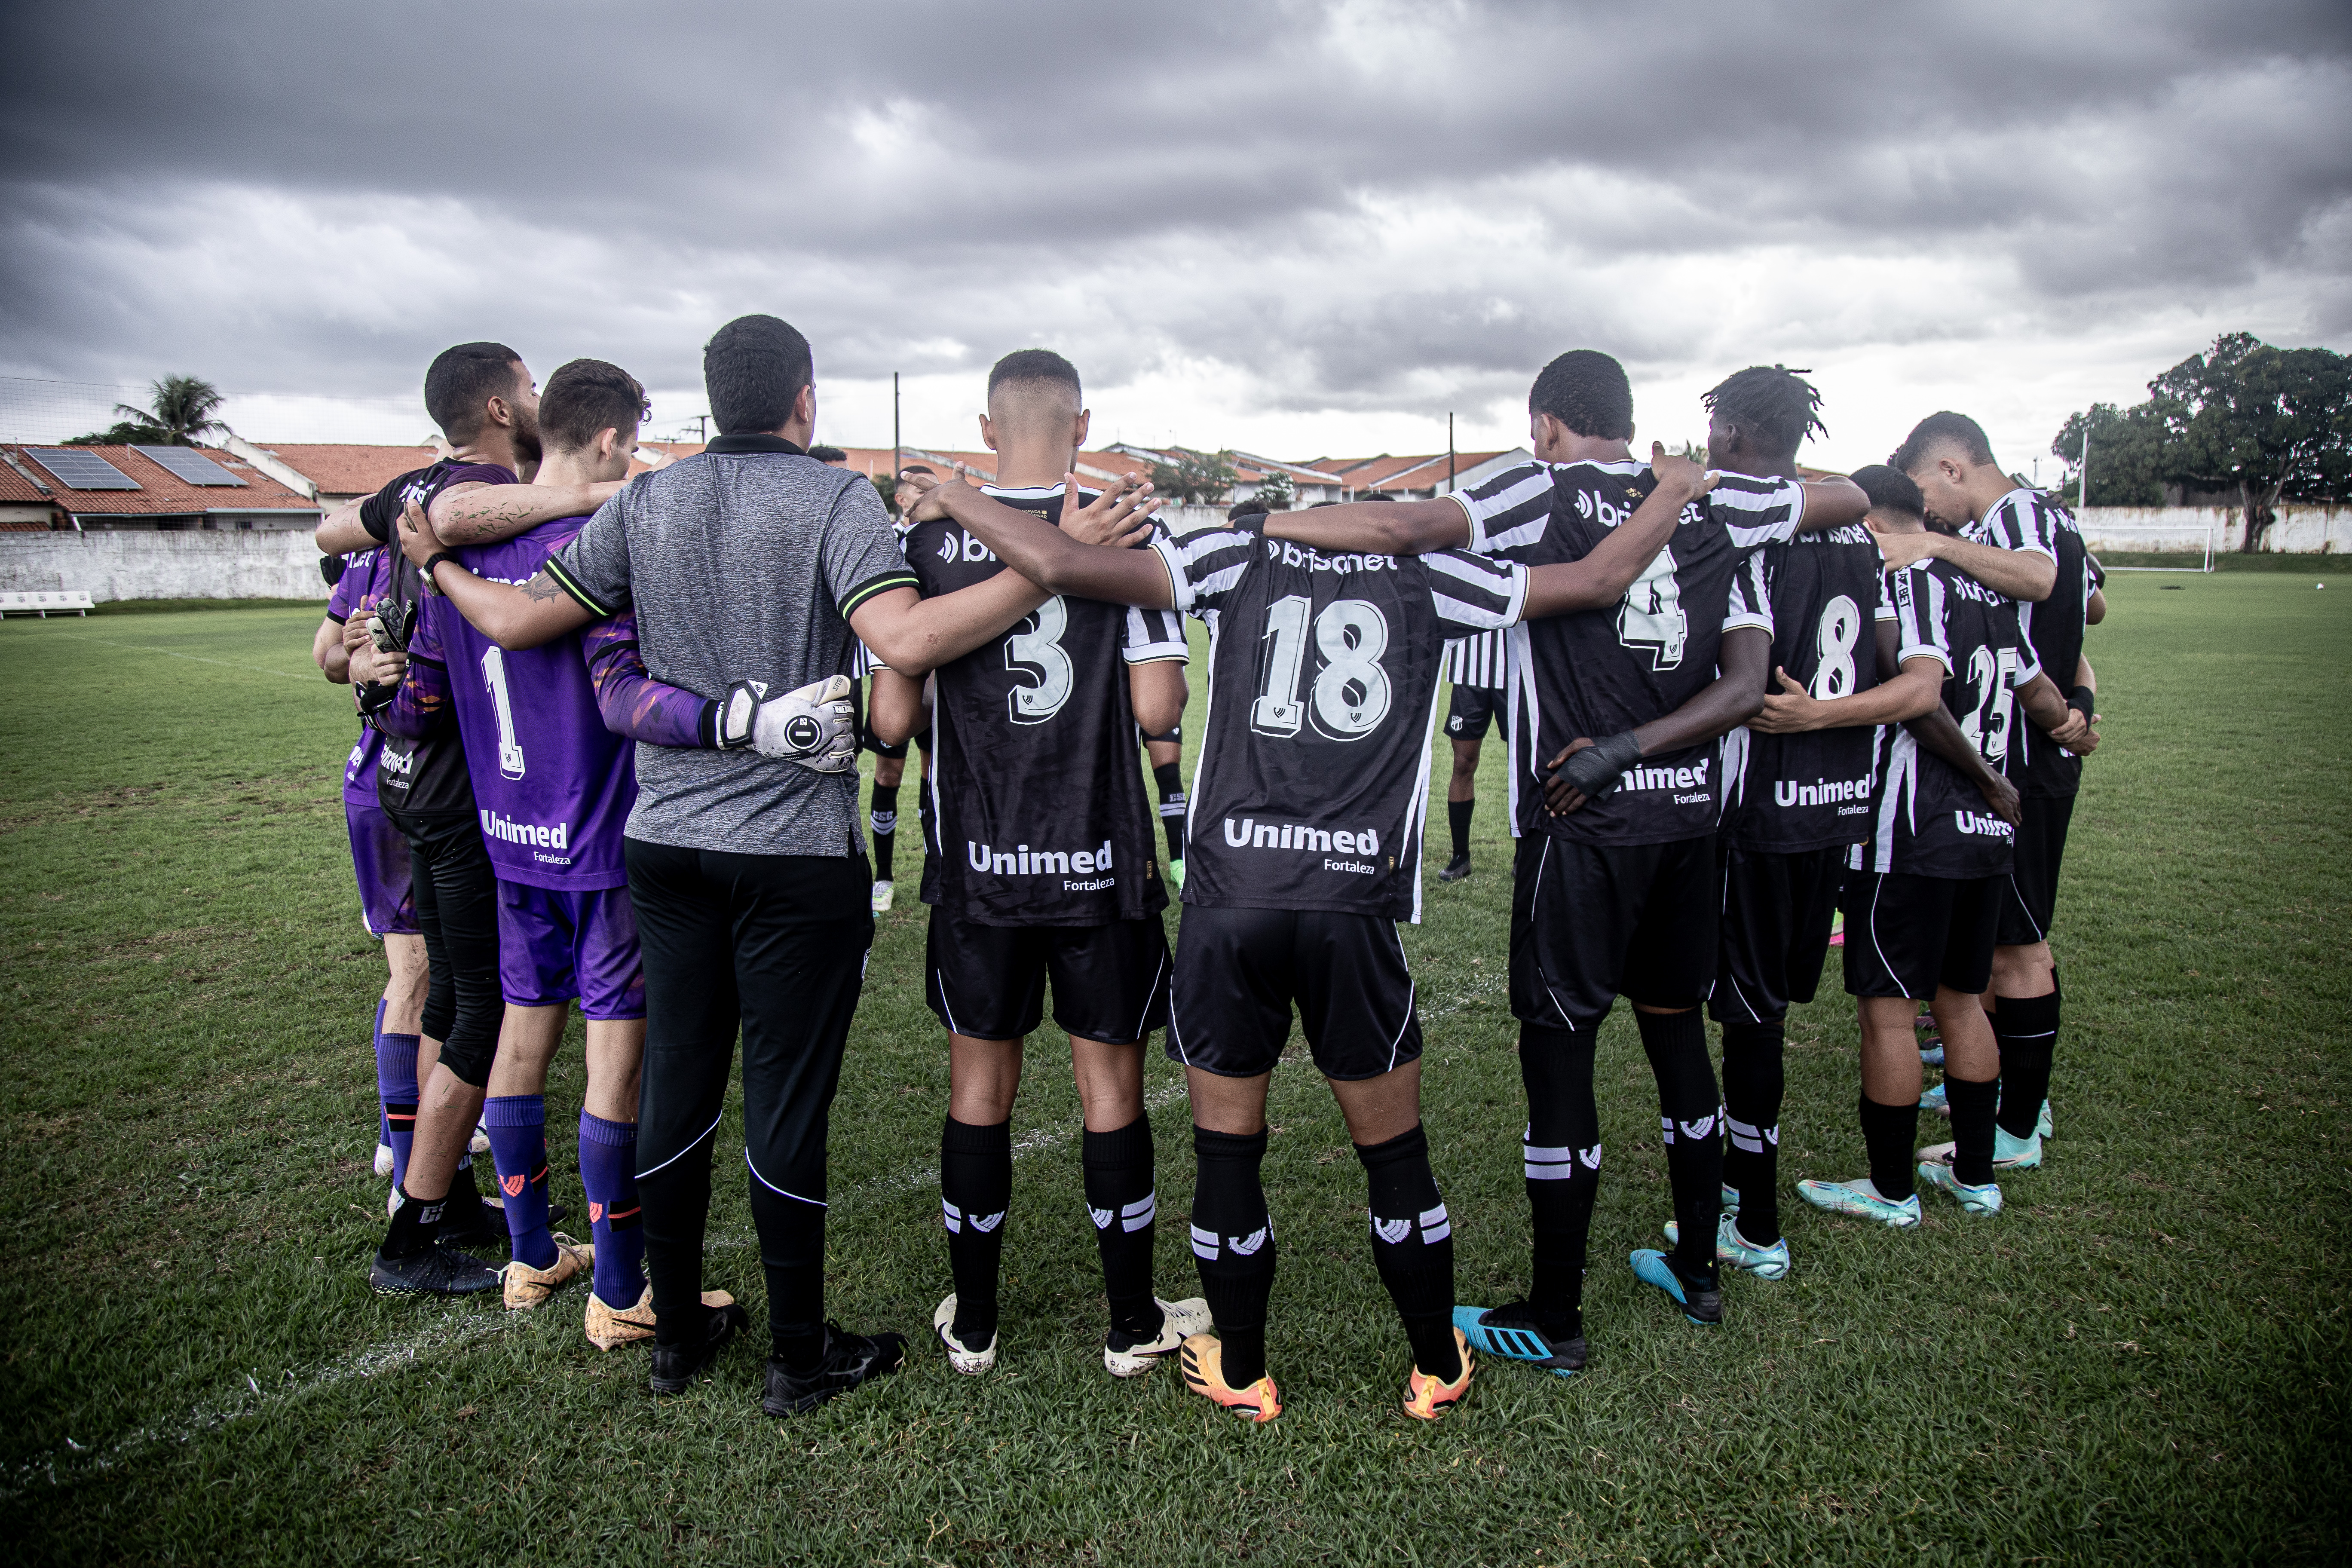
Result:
[[1293, 229]]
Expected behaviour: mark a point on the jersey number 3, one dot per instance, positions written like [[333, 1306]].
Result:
[[1037, 650], [1652, 616], [1350, 694]]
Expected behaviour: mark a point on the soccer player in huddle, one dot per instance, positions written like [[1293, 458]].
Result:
[[1923, 894], [1796, 782], [380, 864], [1473, 667], [1040, 867], [1615, 794], [2019, 541], [1309, 799]]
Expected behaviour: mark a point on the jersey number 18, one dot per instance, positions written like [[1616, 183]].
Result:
[[1350, 694]]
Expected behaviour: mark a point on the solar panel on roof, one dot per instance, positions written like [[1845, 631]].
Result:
[[188, 464], [79, 471]]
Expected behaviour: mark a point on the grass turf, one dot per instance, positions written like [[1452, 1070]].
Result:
[[2144, 1356]]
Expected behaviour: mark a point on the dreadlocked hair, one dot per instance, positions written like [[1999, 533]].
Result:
[[1774, 403]]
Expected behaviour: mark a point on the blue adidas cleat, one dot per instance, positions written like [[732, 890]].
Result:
[[1735, 1249], [1935, 1101], [1514, 1332], [1983, 1202], [1859, 1198], [1702, 1304]]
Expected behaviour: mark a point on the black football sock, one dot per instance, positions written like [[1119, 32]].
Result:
[[415, 1225], [975, 1190], [466, 1198], [1412, 1247], [1232, 1245], [882, 816], [1753, 1081], [791, 1255], [1687, 1107], [1170, 778], [2026, 1028], [1891, 1134], [1971, 1106], [1117, 1167], [1561, 1149], [1457, 818]]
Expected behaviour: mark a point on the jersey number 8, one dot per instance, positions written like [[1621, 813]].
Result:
[[1350, 694], [1840, 628]]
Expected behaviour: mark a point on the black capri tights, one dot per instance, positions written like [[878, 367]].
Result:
[[457, 894]]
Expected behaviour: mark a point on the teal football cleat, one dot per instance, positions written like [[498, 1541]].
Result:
[[1730, 1199], [1859, 1199], [2008, 1152], [1983, 1202], [1735, 1249], [1515, 1333], [1934, 1100], [1701, 1303], [2042, 1125]]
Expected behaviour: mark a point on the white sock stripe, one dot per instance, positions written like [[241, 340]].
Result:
[[1432, 1217], [1144, 1205], [1431, 1235], [1559, 1173], [1740, 1129], [1747, 1145], [1548, 1153]]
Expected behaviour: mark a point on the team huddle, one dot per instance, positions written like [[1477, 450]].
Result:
[[1743, 709]]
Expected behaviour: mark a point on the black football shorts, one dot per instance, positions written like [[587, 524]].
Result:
[[1906, 935], [2032, 894], [988, 982], [1238, 973], [1778, 910], [1470, 710], [1591, 923]]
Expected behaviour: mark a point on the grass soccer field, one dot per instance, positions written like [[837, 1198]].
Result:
[[2144, 1359]]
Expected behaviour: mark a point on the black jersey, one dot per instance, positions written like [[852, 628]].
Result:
[[1038, 810], [1825, 594], [1929, 820], [2030, 520], [427, 774], [1602, 672], [1312, 775]]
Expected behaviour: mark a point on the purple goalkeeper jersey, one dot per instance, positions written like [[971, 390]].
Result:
[[366, 578], [552, 785]]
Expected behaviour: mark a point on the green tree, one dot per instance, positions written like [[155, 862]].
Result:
[[180, 409], [1277, 492], [1194, 477], [2268, 423]]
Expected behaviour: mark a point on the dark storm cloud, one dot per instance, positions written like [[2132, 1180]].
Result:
[[921, 186]]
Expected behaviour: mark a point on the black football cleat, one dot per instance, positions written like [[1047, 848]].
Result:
[[485, 1228], [434, 1271], [676, 1366], [849, 1359], [1456, 869]]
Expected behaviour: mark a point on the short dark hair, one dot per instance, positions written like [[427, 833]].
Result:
[[917, 468], [587, 395], [1241, 509], [1945, 428], [828, 454], [753, 369], [460, 380], [1587, 391], [1891, 489], [1035, 365], [1773, 403]]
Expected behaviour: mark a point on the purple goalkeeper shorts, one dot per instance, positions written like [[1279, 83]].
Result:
[[555, 946], [380, 862]]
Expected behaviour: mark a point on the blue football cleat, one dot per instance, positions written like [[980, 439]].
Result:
[[1935, 1101], [1512, 1331], [1983, 1202], [1735, 1249], [1702, 1304]]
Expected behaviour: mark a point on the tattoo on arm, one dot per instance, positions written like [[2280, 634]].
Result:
[[542, 587]]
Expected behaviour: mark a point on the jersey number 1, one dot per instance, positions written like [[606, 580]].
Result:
[[1350, 695], [494, 675]]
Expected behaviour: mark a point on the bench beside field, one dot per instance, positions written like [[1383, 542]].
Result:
[[58, 599]]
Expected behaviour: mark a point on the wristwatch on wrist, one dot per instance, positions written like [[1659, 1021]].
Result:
[[435, 560]]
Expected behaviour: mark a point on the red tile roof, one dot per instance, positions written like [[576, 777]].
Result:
[[163, 493], [340, 468], [18, 490]]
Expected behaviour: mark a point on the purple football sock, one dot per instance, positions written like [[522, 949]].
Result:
[[518, 1128], [395, 1089], [608, 1167]]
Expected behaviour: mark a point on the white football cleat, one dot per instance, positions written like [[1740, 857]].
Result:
[[968, 1360], [384, 1159], [883, 893], [480, 1143], [1179, 1320]]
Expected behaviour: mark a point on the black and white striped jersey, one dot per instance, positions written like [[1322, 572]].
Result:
[[1038, 810], [1312, 775], [1478, 661], [2033, 521], [1824, 594], [1602, 672], [1928, 818]]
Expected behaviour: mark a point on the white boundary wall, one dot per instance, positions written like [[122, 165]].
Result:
[[140, 564], [2297, 530]]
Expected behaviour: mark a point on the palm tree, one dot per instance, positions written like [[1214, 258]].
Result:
[[181, 408]]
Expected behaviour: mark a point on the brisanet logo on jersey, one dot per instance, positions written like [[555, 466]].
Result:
[[1251, 833], [1023, 861]]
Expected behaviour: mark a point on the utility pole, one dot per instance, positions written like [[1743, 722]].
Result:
[[1449, 453], [2083, 497], [898, 457]]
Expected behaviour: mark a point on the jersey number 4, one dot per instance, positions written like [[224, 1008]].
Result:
[[1350, 694], [1037, 650], [1652, 615]]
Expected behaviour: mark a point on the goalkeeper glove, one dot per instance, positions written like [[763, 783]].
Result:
[[1595, 771], [815, 726]]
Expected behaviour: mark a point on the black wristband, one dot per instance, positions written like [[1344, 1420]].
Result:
[[1595, 769], [435, 560], [706, 728], [2083, 700]]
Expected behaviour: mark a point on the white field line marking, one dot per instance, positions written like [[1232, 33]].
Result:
[[460, 1326], [199, 658], [456, 1327]]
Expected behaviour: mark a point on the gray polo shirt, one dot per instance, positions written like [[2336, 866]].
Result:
[[742, 564]]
